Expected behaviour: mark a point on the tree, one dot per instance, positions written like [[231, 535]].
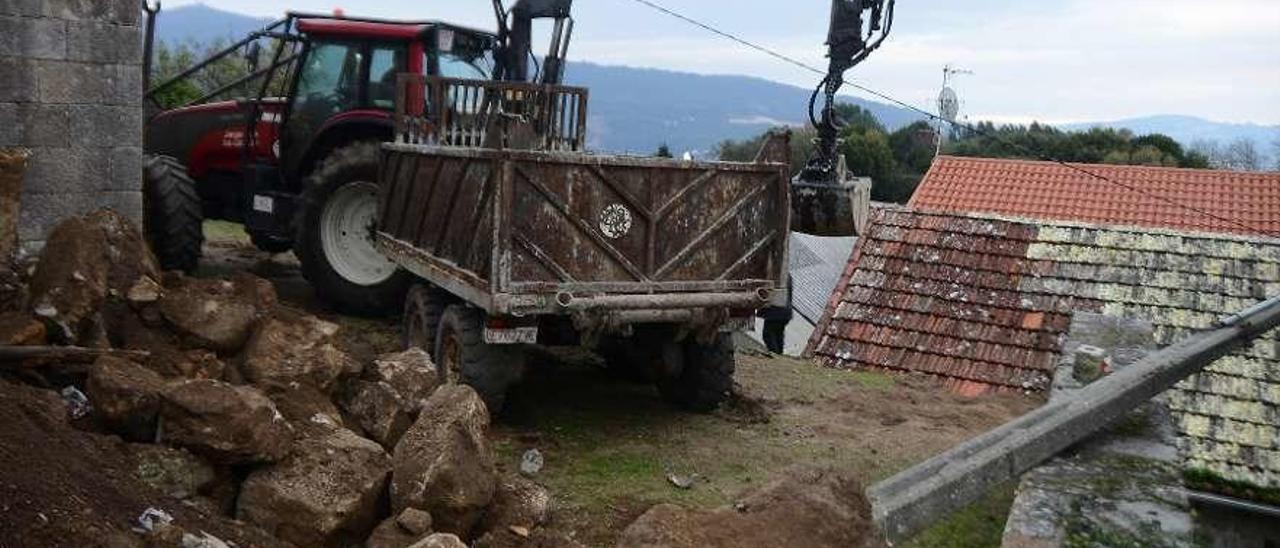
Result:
[[1242, 155], [664, 151], [171, 60], [868, 154]]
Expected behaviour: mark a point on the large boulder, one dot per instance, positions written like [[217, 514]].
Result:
[[292, 348], [173, 471], [440, 540], [166, 354], [379, 410], [325, 494], [125, 397], [229, 424], [804, 507], [410, 526], [218, 315], [85, 260], [21, 329], [443, 463], [411, 374], [518, 503], [392, 393]]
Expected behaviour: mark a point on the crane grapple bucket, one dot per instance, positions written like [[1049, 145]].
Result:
[[839, 208]]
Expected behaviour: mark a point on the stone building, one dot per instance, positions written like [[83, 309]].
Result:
[[71, 94]]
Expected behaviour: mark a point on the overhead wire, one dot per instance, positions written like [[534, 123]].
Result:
[[954, 123]]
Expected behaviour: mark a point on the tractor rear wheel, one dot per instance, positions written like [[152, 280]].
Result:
[[173, 217], [335, 235], [462, 356], [702, 377]]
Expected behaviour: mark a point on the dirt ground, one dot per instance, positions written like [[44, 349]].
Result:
[[611, 445]]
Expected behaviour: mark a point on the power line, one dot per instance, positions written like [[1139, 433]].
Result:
[[930, 115]]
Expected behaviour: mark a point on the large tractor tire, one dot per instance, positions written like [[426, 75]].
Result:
[[173, 217], [335, 236], [701, 377], [463, 357]]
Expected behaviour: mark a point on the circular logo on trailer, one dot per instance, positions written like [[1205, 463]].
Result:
[[615, 221]]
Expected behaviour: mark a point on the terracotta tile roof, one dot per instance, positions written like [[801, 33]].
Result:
[[981, 302], [938, 294], [1047, 190]]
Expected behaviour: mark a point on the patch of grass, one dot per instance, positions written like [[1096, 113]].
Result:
[[980, 524], [225, 232]]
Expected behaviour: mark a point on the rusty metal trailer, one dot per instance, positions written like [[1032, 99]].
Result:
[[655, 258]]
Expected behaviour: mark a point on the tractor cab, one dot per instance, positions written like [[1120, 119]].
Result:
[[249, 146]]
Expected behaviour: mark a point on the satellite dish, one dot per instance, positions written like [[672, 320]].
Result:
[[948, 104]]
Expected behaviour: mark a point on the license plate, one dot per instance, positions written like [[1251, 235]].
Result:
[[739, 324], [518, 335], [264, 204]]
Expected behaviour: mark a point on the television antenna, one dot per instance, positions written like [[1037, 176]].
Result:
[[948, 100]]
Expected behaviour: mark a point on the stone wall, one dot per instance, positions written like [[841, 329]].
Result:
[[71, 93]]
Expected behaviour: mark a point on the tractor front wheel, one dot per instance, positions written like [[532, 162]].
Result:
[[335, 235], [173, 217]]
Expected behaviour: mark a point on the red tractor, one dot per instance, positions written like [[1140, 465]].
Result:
[[297, 161]]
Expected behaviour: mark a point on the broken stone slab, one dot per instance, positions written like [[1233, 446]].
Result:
[[517, 502], [440, 540], [289, 347], [218, 315], [379, 410], [410, 526], [125, 396], [325, 494], [803, 507], [226, 423], [443, 464]]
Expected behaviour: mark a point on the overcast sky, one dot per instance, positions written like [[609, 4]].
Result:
[[1054, 61]]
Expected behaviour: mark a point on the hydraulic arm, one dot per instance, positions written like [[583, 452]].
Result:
[[823, 194]]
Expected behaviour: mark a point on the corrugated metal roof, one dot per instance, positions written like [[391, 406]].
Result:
[[816, 265], [1048, 190]]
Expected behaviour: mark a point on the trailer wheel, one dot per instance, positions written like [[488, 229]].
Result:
[[423, 307], [335, 235], [463, 357], [172, 213], [704, 375]]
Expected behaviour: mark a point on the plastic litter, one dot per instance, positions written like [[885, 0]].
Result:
[[77, 403], [531, 463]]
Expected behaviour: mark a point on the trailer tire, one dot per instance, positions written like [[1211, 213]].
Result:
[[335, 232], [704, 377], [423, 306], [173, 216], [463, 357]]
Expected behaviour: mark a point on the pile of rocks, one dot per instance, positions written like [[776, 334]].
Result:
[[245, 408]]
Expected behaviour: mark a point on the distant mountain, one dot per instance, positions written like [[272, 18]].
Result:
[[1188, 129], [636, 109], [202, 24]]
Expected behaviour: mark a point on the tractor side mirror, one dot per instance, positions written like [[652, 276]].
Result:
[[253, 56]]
